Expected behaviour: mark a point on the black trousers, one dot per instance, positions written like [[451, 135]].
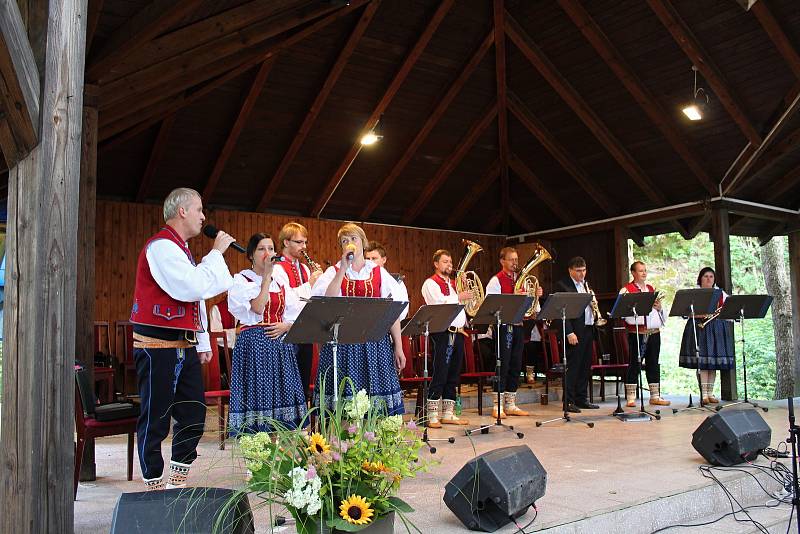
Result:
[[579, 364], [650, 351], [511, 346], [305, 355], [170, 387], [447, 360]]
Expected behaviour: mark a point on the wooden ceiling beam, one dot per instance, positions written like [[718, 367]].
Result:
[[430, 123], [777, 36], [478, 190], [498, 16], [175, 68], [152, 20], [699, 224], [785, 184], [236, 129], [521, 217], [448, 166], [640, 93], [408, 63], [318, 104], [493, 222], [156, 153], [769, 231], [561, 212], [568, 163], [94, 9], [684, 37], [636, 237], [583, 110], [131, 114]]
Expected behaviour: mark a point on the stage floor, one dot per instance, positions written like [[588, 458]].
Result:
[[612, 467]]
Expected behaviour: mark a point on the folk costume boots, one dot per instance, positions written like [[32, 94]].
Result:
[[178, 473], [448, 417], [497, 407], [655, 396], [433, 414], [153, 484], [630, 395], [511, 408]]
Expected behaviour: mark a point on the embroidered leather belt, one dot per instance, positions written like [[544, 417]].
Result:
[[645, 331], [144, 342]]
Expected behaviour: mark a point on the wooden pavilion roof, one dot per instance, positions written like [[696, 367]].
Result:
[[498, 116]]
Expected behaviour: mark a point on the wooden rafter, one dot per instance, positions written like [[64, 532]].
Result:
[[777, 35], [19, 87], [175, 95], [643, 96], [493, 222], [775, 152], [236, 129], [94, 9], [156, 153], [784, 185], [521, 217], [152, 20], [318, 104], [769, 231], [469, 199], [698, 224], [560, 211], [546, 139], [169, 71], [498, 16], [636, 237], [449, 164], [684, 37], [431, 122], [582, 110], [401, 75]]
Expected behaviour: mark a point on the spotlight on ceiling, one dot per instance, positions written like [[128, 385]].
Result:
[[370, 139], [695, 108]]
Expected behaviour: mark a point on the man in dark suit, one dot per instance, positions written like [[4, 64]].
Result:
[[579, 334]]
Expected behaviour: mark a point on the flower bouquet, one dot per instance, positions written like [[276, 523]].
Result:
[[343, 477]]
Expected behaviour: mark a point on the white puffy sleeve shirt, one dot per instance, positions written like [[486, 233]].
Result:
[[174, 273], [389, 286], [244, 290], [298, 293], [432, 294]]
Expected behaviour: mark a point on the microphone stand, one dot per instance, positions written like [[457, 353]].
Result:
[[794, 431]]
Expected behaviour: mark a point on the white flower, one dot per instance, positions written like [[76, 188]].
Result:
[[304, 492], [391, 424], [358, 406]]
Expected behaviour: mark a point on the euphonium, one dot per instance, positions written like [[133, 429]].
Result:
[[598, 317], [468, 280], [528, 282]]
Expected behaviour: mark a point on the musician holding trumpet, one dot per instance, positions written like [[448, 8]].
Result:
[[649, 342]]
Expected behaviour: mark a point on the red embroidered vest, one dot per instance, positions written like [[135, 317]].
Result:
[[371, 287], [276, 305], [506, 282], [296, 278], [633, 288], [443, 284], [152, 306]]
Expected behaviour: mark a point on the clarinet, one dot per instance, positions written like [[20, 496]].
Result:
[[314, 266]]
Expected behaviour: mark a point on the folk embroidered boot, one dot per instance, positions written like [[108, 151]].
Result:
[[511, 408], [630, 395], [705, 392], [711, 398], [153, 484], [496, 407], [433, 414], [178, 473], [448, 417], [655, 396]]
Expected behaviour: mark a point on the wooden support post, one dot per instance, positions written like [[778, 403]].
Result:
[[720, 232], [36, 459], [621, 255], [84, 302], [794, 275]]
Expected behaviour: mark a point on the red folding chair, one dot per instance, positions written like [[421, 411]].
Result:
[[472, 374], [214, 394], [409, 378]]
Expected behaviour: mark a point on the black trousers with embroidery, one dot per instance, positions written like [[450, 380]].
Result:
[[170, 387], [447, 361], [650, 351], [511, 347]]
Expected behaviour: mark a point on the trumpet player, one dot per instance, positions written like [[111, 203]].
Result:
[[298, 278], [649, 342], [511, 337], [714, 340], [448, 346]]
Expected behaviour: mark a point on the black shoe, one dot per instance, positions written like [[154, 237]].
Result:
[[571, 408], [588, 406]]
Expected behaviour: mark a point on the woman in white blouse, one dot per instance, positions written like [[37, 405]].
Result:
[[372, 366], [265, 383]]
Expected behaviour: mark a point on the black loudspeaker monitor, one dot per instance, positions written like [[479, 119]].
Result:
[[183, 510], [496, 486], [732, 436]]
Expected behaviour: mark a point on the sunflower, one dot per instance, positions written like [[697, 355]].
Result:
[[356, 510], [317, 444], [374, 467]]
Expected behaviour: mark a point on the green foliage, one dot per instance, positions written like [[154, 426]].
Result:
[[673, 263]]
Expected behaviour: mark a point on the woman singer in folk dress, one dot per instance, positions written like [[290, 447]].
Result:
[[715, 341], [265, 382], [372, 366]]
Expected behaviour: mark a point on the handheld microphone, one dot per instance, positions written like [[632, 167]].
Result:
[[211, 231], [351, 251]]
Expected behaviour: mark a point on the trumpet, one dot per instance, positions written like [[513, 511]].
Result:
[[598, 317], [710, 318], [314, 266]]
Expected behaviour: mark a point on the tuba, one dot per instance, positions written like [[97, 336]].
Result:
[[468, 280], [530, 283]]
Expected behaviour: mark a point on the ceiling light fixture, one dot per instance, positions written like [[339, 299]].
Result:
[[695, 108], [374, 135]]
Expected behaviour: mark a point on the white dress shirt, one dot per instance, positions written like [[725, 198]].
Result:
[[303, 291], [175, 274], [432, 293], [588, 316], [655, 319], [244, 290]]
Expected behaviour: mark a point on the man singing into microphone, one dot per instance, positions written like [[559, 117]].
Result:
[[170, 336]]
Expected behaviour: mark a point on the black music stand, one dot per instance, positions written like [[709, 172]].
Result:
[[563, 306], [430, 318], [691, 303], [343, 320], [628, 305], [508, 309], [739, 308]]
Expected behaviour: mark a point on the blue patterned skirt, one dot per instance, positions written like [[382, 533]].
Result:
[[265, 384], [715, 342], [370, 366]]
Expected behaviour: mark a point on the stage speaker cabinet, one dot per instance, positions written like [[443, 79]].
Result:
[[183, 510], [732, 436], [495, 487]]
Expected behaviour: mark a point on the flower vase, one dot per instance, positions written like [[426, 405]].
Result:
[[384, 525]]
